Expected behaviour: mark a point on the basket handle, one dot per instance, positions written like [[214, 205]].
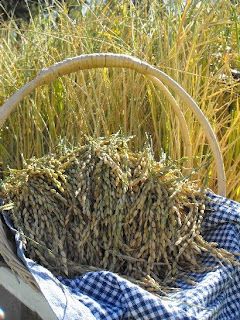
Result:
[[102, 60]]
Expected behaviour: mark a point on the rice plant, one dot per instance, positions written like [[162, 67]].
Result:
[[195, 42]]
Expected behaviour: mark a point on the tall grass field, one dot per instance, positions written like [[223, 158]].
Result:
[[196, 42]]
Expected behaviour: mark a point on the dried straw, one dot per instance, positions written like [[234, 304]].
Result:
[[101, 206]]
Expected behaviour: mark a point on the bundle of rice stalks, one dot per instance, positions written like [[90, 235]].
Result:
[[101, 206]]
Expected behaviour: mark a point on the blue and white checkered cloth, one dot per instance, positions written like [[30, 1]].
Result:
[[105, 295]]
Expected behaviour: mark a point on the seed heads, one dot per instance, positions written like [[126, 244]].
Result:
[[100, 205]]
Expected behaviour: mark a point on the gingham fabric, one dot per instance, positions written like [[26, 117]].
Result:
[[215, 294]]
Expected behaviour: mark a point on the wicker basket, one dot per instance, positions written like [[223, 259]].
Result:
[[103, 60]]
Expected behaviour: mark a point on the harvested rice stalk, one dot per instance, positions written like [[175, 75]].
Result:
[[102, 206]]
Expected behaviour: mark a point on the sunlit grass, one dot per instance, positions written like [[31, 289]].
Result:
[[195, 44]]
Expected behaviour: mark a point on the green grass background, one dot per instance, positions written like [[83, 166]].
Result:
[[197, 43]]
